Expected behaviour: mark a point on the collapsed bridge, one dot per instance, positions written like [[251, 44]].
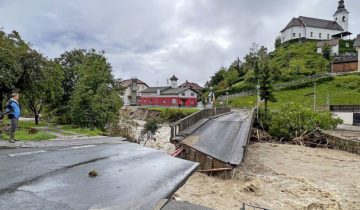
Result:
[[217, 139]]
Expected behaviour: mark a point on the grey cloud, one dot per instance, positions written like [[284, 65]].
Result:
[[156, 39]]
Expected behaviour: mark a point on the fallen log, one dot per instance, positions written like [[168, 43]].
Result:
[[215, 170]]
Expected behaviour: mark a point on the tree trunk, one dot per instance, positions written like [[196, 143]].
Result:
[[266, 109], [36, 118]]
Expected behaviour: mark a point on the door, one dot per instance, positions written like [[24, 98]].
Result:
[[356, 118]]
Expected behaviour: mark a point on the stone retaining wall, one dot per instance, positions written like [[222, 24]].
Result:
[[340, 143]]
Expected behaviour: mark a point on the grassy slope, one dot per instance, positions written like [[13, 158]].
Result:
[[344, 90], [24, 135], [86, 131], [183, 110]]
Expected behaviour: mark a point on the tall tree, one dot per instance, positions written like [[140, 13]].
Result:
[[266, 89], [12, 47], [70, 64], [95, 101]]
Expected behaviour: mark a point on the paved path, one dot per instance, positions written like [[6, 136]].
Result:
[[129, 177]]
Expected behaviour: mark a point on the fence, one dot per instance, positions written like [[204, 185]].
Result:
[[277, 86], [190, 120], [345, 108]]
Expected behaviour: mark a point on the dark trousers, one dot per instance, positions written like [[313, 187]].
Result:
[[14, 123]]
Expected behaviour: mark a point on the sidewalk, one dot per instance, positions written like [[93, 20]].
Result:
[[63, 142], [346, 132]]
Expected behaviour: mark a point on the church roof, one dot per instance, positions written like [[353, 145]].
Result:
[[313, 22], [357, 41]]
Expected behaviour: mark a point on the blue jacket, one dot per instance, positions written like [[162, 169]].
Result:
[[13, 108]]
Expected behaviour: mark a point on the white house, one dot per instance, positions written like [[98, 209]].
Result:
[[132, 88], [318, 29], [334, 44]]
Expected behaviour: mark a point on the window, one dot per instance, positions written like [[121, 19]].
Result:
[[299, 35], [192, 94], [151, 101], [294, 34], [319, 35], [183, 94], [344, 18], [311, 34], [347, 44], [173, 101], [192, 102], [144, 101], [164, 101], [328, 36]]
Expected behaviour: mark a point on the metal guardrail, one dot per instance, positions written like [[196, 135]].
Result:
[[190, 120], [277, 86]]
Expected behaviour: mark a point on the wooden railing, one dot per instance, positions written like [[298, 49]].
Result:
[[190, 120]]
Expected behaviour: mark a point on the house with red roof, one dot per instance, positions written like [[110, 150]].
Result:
[[169, 95]]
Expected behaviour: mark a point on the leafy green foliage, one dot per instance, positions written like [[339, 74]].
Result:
[[326, 50], [266, 89], [95, 101], [151, 125], [344, 49], [87, 131], [124, 128], [23, 135], [293, 119], [174, 114], [343, 90]]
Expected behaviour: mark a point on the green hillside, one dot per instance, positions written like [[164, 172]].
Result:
[[343, 90], [288, 62]]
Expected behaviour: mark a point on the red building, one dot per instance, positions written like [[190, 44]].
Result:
[[168, 96]]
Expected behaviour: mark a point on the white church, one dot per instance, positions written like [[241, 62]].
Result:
[[318, 29]]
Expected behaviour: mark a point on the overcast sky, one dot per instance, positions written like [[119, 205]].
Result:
[[154, 39]]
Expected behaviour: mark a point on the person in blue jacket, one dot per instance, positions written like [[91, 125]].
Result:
[[13, 108]]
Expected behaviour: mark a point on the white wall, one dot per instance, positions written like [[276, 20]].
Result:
[[188, 93], [306, 33], [334, 50], [339, 17], [347, 117], [288, 33], [128, 93]]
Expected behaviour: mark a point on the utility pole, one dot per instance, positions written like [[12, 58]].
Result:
[[227, 99], [314, 95], [328, 100]]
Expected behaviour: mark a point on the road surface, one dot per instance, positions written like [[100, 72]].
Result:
[[129, 177]]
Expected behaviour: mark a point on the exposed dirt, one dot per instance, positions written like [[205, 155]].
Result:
[[279, 176], [162, 138]]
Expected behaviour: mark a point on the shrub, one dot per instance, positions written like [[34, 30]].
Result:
[[151, 125], [125, 128], [172, 115], [294, 119]]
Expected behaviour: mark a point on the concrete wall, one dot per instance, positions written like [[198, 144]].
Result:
[[344, 144], [347, 117]]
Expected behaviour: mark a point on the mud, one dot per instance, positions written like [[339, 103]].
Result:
[[278, 176]]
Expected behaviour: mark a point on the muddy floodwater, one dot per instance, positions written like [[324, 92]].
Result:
[[276, 176]]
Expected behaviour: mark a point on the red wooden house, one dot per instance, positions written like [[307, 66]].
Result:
[[168, 96]]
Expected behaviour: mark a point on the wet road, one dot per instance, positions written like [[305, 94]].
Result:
[[130, 177]]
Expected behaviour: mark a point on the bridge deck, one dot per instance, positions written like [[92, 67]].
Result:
[[223, 138]]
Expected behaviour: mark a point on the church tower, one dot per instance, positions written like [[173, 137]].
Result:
[[341, 16]]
